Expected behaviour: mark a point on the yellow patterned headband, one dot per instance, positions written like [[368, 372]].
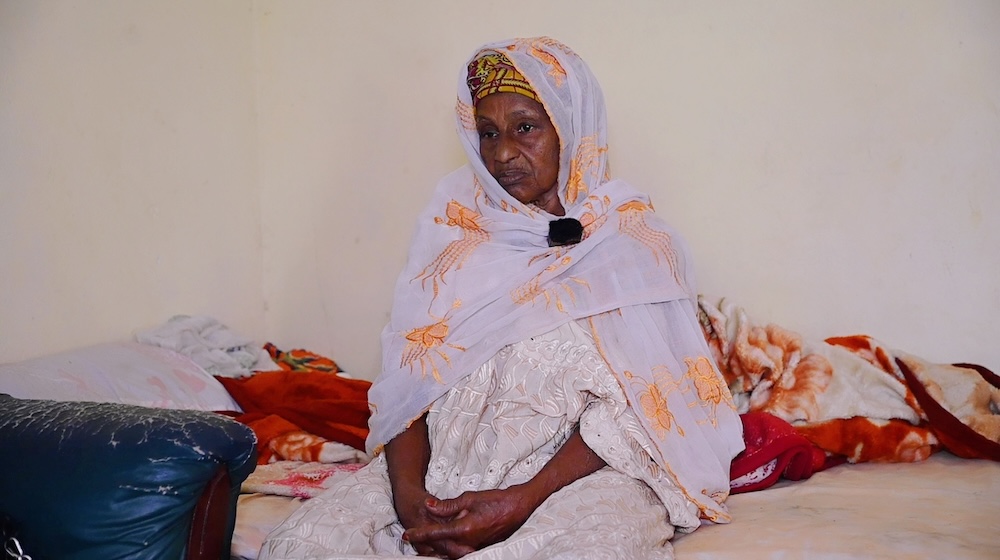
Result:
[[493, 72]]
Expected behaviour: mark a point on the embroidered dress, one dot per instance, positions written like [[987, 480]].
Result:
[[481, 290], [499, 429]]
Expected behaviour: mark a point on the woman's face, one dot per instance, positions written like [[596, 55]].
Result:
[[520, 148]]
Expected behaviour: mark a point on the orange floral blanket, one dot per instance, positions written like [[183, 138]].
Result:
[[852, 396]]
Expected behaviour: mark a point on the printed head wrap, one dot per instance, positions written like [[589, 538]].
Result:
[[492, 72]]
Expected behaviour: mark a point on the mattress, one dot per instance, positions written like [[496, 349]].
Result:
[[944, 507]]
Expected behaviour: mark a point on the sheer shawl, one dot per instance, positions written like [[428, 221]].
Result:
[[480, 275]]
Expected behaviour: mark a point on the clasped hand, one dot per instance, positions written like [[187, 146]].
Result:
[[456, 527]]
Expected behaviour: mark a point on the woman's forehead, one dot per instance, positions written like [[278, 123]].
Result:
[[507, 105]]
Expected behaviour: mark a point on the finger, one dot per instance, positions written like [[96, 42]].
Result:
[[446, 508], [438, 549], [425, 550], [456, 550], [452, 549], [435, 532]]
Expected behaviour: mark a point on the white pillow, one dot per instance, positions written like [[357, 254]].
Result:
[[118, 372]]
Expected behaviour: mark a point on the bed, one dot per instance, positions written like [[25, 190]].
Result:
[[942, 507], [889, 455], [908, 468]]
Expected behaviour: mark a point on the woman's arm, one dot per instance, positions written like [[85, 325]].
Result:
[[407, 456], [574, 460], [479, 519]]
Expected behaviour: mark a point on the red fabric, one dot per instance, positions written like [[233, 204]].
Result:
[[769, 438], [319, 402]]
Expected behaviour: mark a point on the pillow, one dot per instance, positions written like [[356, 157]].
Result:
[[118, 372]]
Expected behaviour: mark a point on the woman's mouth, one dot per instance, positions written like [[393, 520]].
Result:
[[510, 178]]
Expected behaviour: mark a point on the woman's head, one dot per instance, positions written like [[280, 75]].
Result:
[[532, 117], [517, 141]]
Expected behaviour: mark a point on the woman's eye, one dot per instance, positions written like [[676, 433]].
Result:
[[485, 134], [525, 127]]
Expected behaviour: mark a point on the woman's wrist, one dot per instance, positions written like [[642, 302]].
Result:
[[534, 492], [573, 461]]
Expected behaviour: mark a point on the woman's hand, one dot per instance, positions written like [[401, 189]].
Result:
[[474, 520], [456, 527], [479, 519], [414, 512]]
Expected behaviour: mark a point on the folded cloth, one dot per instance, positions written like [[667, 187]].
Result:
[[298, 359], [212, 345], [773, 450]]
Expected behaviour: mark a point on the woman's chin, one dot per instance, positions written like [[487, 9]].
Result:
[[518, 194]]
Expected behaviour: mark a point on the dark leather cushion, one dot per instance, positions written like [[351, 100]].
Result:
[[105, 481]]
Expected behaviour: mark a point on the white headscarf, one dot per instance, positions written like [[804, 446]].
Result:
[[480, 276]]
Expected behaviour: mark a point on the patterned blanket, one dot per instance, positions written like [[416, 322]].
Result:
[[853, 397]]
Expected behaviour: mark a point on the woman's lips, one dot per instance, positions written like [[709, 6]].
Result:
[[510, 178]]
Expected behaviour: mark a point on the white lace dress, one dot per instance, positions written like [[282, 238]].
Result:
[[498, 430]]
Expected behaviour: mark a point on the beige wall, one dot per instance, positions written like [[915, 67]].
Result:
[[128, 187], [834, 165]]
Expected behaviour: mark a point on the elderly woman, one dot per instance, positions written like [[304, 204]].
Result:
[[546, 390]]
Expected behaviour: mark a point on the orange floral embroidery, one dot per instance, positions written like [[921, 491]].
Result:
[[533, 289], [423, 343], [557, 252], [707, 382], [653, 400], [585, 163], [593, 218], [539, 48], [466, 115], [715, 516], [709, 385], [654, 406], [456, 252], [633, 224]]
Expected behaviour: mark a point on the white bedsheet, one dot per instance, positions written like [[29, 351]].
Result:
[[942, 508]]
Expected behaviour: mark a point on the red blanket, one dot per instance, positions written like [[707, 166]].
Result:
[[774, 450], [307, 398]]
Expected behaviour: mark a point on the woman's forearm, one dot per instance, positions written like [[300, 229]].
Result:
[[574, 460], [407, 456]]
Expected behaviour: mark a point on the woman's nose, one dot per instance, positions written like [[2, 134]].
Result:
[[506, 149]]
